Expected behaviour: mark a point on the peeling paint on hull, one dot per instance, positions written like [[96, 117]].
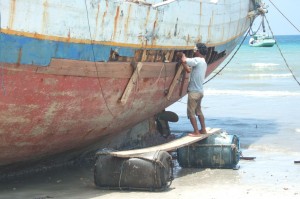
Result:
[[64, 68]]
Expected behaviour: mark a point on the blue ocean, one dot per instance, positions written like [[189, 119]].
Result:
[[255, 97]]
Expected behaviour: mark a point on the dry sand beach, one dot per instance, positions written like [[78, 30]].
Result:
[[270, 175]]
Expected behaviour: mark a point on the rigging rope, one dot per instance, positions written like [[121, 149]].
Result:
[[94, 57], [289, 68], [251, 33], [287, 65], [231, 56], [284, 16], [248, 32]]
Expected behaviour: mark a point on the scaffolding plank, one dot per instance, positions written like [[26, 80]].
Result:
[[170, 146]]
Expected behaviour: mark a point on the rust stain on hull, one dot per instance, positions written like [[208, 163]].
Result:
[[127, 22], [12, 13], [116, 23], [97, 17], [103, 19], [45, 16], [19, 57]]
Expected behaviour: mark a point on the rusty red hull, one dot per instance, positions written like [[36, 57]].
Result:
[[43, 113]]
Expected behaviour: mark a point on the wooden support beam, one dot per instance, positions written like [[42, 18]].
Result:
[[182, 83], [174, 82], [144, 55], [131, 83]]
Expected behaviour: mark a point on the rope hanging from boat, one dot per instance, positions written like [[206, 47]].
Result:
[[284, 16], [251, 33], [287, 65], [231, 56], [94, 57], [248, 33]]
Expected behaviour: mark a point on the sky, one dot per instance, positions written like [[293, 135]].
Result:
[[279, 25]]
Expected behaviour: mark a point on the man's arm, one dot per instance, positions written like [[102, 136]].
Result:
[[186, 67], [184, 64]]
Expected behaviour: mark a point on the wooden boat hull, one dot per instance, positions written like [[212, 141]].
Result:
[[65, 67]]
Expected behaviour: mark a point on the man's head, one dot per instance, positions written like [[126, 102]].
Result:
[[201, 48]]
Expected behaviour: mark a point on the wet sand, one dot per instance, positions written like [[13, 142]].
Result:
[[270, 175]]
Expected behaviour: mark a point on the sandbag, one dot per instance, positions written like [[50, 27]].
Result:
[[151, 171], [216, 151]]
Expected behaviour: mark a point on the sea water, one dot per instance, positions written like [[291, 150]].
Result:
[[254, 97]]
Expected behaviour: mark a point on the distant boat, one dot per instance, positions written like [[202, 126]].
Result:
[[75, 75], [262, 41]]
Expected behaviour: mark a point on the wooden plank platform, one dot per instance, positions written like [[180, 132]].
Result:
[[170, 146]]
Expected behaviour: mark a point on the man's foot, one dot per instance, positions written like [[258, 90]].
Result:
[[194, 134], [203, 132]]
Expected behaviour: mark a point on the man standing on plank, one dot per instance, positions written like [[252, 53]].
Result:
[[197, 67]]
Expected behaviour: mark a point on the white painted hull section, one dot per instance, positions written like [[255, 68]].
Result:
[[177, 24]]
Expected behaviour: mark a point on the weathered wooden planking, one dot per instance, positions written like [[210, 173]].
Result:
[[175, 81], [170, 146], [132, 82]]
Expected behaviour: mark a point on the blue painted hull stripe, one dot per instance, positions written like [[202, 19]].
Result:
[[24, 50]]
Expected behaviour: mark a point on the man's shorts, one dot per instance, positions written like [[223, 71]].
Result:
[[194, 104]]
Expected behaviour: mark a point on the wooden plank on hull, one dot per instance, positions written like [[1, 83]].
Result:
[[170, 146], [87, 68], [175, 81], [133, 81]]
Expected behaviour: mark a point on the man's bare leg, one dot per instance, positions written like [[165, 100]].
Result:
[[202, 123], [195, 126]]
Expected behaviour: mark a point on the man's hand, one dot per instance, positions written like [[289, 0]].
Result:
[[186, 67], [183, 58]]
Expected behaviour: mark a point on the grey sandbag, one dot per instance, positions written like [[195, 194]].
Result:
[[151, 171]]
